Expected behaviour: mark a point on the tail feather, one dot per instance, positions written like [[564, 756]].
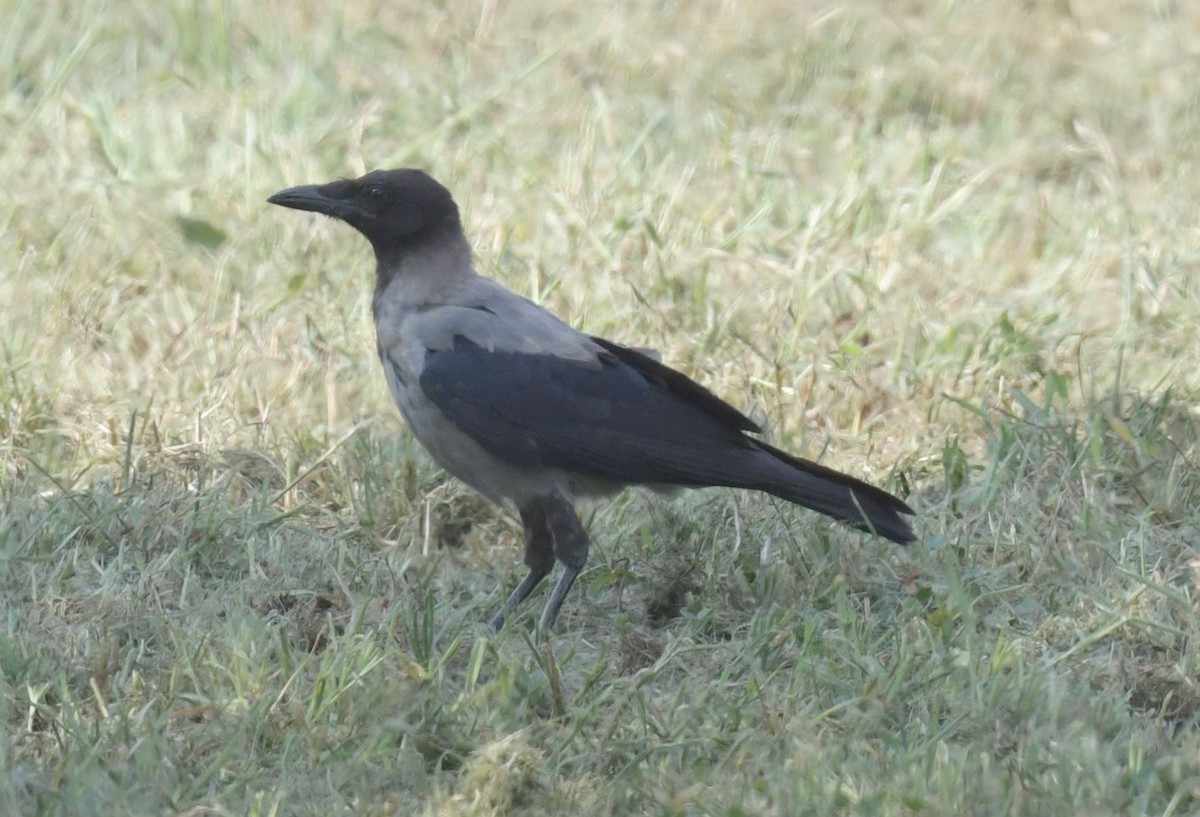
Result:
[[837, 495]]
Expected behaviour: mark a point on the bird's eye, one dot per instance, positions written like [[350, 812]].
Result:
[[374, 191]]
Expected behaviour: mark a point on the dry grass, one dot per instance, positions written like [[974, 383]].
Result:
[[950, 247]]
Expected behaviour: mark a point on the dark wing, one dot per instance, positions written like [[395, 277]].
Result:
[[622, 416], [680, 385]]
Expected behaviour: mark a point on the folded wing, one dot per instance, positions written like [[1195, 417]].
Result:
[[619, 416]]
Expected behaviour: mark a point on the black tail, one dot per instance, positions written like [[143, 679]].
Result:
[[836, 494]]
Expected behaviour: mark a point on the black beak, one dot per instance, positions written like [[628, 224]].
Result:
[[311, 197]]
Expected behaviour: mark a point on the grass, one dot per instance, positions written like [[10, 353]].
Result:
[[950, 247]]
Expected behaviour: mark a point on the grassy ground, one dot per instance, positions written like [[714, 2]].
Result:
[[950, 247]]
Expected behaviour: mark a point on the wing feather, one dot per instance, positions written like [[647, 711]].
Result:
[[622, 416]]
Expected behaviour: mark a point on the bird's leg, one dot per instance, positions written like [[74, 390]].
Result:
[[539, 556], [571, 548]]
